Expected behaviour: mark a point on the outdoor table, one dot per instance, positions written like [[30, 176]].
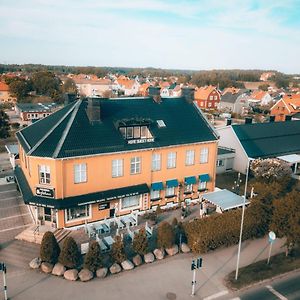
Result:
[[109, 240], [102, 246], [99, 228]]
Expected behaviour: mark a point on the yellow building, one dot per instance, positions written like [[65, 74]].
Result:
[[100, 158]]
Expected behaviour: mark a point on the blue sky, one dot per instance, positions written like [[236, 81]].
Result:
[[190, 34]]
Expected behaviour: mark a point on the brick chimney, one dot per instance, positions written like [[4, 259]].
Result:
[[154, 92], [188, 93], [93, 111]]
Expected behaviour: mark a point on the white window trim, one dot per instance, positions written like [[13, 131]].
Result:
[[202, 188], [122, 168], [157, 161], [79, 219], [120, 209], [202, 152], [80, 173], [135, 164], [190, 160], [155, 198], [170, 195], [174, 158], [44, 172]]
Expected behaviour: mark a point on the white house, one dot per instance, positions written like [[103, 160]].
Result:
[[260, 140]]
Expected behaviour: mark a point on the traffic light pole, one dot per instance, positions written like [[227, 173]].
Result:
[[3, 269]]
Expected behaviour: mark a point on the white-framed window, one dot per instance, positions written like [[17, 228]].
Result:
[[129, 132], [211, 97], [135, 165], [80, 173], [75, 213], [170, 191], [220, 163], [131, 201], [144, 132], [171, 163], [44, 174], [137, 132], [216, 97], [117, 168], [202, 186], [203, 155], [123, 132], [209, 104], [190, 157], [188, 188], [156, 162], [202, 103], [154, 194]]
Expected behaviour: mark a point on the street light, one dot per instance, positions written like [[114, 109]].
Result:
[[236, 184], [242, 222]]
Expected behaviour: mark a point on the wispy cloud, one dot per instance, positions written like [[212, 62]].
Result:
[[175, 34]]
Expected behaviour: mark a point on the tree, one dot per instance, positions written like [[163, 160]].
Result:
[[286, 219], [49, 250], [264, 87], [4, 125], [118, 251], [69, 255], [19, 88], [270, 169], [165, 235], [69, 86], [140, 242], [93, 259]]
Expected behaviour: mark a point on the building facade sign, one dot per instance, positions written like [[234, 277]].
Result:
[[44, 192]]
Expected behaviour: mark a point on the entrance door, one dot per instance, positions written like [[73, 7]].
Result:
[[112, 212], [47, 214]]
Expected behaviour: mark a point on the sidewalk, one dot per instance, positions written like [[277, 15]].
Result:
[[148, 282]]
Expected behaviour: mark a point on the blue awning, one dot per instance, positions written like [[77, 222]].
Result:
[[190, 180], [172, 183], [157, 186], [204, 178]]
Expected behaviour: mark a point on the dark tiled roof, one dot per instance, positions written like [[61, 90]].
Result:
[[98, 197], [68, 132], [269, 139], [231, 98], [33, 107]]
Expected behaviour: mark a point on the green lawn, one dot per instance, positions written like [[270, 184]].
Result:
[[258, 271]]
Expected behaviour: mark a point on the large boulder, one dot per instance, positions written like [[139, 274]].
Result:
[[35, 263], [137, 260], [58, 270], [71, 275], [46, 267], [159, 253], [115, 268], [85, 275], [173, 250], [185, 248], [127, 265], [101, 273], [149, 258]]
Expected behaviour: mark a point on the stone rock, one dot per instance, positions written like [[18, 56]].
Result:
[[173, 250], [102, 272], [185, 248], [159, 253], [58, 270], [149, 258], [127, 265], [85, 275], [137, 260], [71, 275], [35, 263], [115, 268], [46, 267]]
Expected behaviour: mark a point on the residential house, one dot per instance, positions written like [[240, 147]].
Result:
[[235, 100], [260, 140], [99, 158], [207, 97], [144, 89], [129, 87], [35, 111], [266, 76], [225, 160], [259, 97], [288, 105], [92, 87], [5, 95]]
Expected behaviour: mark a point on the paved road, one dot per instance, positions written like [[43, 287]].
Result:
[[148, 282], [286, 288]]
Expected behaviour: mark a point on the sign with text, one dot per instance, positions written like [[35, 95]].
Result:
[[103, 206], [44, 192]]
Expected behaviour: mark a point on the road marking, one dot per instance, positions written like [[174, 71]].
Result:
[[17, 227], [217, 295], [15, 216], [277, 294]]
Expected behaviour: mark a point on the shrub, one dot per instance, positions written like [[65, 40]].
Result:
[[69, 255], [140, 242], [222, 230], [165, 235], [118, 251], [49, 249], [158, 210], [174, 222], [93, 258]]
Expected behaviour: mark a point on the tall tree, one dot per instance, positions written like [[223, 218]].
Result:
[[69, 86], [49, 250], [4, 125], [69, 255], [19, 88], [118, 251], [140, 242], [93, 259]]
